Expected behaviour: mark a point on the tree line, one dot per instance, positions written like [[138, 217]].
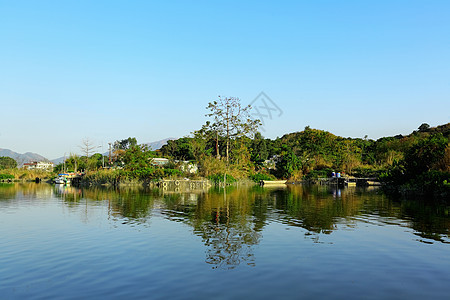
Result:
[[229, 147]]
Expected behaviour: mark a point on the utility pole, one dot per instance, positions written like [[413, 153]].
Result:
[[109, 154], [103, 158]]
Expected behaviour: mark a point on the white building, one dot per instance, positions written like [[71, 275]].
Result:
[[160, 161], [41, 165], [189, 167], [184, 166]]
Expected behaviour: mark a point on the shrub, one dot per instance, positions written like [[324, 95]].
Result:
[[6, 176], [172, 172], [323, 173], [217, 178], [367, 171], [261, 176]]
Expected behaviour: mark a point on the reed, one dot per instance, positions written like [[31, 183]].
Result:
[[21, 174]]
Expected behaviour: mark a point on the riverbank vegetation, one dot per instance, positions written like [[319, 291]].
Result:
[[22, 174], [416, 163], [230, 148]]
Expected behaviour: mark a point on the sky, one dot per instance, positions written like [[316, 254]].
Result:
[[109, 70]]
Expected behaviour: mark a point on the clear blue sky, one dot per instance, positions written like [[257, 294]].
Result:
[[108, 70]]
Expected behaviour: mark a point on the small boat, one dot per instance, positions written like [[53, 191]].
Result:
[[273, 182], [62, 179]]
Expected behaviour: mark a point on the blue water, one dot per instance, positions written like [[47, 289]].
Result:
[[296, 243]]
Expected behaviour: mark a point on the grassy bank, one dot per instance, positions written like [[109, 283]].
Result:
[[24, 175]]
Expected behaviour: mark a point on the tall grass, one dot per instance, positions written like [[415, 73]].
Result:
[[211, 166], [102, 177], [21, 174]]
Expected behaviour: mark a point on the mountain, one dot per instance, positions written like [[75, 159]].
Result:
[[22, 158], [58, 160], [158, 144]]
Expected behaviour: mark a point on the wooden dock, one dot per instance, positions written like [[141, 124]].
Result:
[[350, 181]]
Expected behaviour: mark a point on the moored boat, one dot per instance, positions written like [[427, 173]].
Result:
[[62, 179]]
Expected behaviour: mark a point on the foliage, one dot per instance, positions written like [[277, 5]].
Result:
[[96, 161], [136, 157], [261, 176], [218, 178], [230, 120], [172, 173], [133, 163], [425, 154], [367, 171], [24, 174], [125, 144], [103, 177], [229, 144], [7, 162], [210, 166], [6, 176], [87, 148], [259, 150], [422, 169], [322, 173], [181, 149], [289, 165], [424, 127]]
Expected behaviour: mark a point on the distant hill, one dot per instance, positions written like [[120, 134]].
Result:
[[158, 144], [58, 160], [22, 158]]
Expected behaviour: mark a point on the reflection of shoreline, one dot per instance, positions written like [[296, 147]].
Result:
[[66, 189], [231, 224], [184, 191]]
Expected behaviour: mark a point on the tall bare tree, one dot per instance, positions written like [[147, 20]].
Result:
[[87, 148], [230, 120]]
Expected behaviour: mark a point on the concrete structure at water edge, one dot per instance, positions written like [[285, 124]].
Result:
[[184, 184]]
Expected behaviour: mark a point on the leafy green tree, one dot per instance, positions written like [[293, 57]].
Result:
[[137, 157], [207, 141], [7, 163], [422, 169], [288, 164], [96, 161], [125, 144], [424, 127], [425, 154], [75, 163], [180, 149], [259, 151], [202, 143], [273, 147]]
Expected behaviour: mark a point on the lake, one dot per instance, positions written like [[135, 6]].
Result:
[[295, 242]]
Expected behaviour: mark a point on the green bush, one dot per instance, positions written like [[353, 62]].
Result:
[[433, 182], [323, 173], [172, 172], [6, 176], [217, 178], [261, 176], [367, 172]]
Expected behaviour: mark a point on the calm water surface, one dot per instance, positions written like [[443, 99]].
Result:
[[257, 243]]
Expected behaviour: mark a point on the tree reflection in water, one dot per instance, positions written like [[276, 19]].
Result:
[[223, 218], [230, 222], [230, 235]]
